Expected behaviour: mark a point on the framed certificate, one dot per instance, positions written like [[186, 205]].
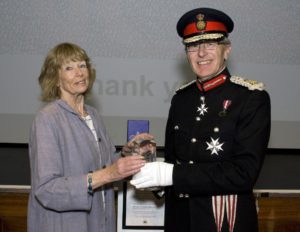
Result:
[[141, 210]]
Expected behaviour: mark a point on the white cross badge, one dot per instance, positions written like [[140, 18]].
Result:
[[202, 109], [214, 146]]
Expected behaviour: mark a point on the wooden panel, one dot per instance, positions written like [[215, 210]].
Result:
[[279, 214], [276, 214], [13, 212]]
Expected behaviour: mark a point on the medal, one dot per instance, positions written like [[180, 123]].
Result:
[[202, 108], [226, 104]]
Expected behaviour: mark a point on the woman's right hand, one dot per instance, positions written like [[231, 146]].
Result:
[[120, 169], [126, 166]]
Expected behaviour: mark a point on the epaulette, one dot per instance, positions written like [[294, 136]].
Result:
[[185, 85], [250, 84]]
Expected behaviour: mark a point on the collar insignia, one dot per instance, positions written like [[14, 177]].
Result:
[[212, 83]]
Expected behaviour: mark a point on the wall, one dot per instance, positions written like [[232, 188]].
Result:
[[140, 60]]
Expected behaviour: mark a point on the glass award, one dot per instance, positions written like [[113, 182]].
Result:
[[146, 148]]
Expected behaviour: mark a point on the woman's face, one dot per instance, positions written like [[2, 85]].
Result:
[[208, 59], [73, 79]]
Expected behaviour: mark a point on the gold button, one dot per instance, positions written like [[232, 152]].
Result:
[[176, 127], [193, 140], [191, 162]]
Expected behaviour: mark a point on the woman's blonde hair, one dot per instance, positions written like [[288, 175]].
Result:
[[56, 57]]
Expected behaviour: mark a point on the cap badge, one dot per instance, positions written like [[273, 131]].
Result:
[[201, 24]]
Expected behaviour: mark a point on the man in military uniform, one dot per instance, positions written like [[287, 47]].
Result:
[[217, 133]]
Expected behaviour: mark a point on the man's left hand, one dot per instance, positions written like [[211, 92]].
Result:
[[154, 174]]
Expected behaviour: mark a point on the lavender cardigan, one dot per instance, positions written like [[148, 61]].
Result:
[[62, 151]]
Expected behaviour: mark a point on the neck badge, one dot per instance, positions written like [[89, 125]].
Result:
[[202, 109]]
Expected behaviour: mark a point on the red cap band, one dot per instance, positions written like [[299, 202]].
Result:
[[210, 26]]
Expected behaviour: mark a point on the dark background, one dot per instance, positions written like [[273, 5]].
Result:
[[280, 170]]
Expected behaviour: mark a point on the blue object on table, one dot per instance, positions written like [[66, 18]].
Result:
[[135, 127]]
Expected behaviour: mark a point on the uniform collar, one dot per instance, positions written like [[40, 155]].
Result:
[[213, 82]]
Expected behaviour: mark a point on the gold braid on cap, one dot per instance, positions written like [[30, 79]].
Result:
[[196, 38]]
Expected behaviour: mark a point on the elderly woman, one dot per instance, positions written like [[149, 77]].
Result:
[[72, 159]]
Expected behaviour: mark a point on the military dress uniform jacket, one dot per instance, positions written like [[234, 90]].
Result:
[[217, 133]]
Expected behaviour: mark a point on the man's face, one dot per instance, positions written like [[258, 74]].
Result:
[[207, 59]]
